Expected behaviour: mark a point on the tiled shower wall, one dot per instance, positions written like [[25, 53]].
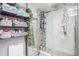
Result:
[[55, 40]]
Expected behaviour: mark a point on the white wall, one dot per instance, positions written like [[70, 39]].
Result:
[[34, 9], [54, 40]]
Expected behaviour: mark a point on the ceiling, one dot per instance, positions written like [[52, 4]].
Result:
[[48, 6]]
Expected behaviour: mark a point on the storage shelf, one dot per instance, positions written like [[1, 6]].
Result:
[[13, 27], [10, 10], [12, 37], [6, 10], [12, 14]]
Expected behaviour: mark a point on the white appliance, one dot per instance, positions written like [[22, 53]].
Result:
[[16, 50]]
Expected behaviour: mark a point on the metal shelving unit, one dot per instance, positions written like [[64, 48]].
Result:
[[6, 13]]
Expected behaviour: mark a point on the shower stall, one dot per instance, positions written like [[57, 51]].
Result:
[[58, 30]]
